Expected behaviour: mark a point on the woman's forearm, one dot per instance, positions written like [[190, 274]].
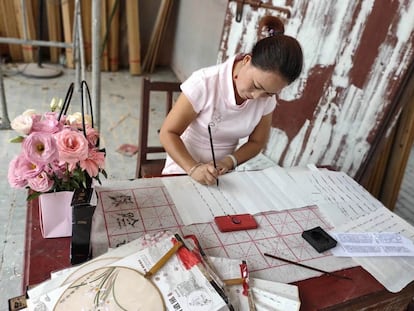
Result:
[[176, 149], [247, 151]]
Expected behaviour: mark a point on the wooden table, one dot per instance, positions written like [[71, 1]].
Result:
[[43, 256]]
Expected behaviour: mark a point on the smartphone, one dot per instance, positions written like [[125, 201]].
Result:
[[236, 222]]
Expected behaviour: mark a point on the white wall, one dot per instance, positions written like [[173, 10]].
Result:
[[197, 36]]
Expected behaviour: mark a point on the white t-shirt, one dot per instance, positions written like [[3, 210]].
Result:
[[210, 91]]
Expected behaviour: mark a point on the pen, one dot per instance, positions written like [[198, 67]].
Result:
[[158, 265], [209, 278], [246, 286], [308, 267], [212, 151], [236, 281], [206, 260]]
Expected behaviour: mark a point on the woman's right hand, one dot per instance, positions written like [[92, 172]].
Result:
[[205, 174]]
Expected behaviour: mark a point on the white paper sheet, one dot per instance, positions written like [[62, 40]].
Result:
[[371, 244], [392, 272], [250, 192], [339, 197]]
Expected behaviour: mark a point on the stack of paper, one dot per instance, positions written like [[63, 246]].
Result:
[[120, 284], [116, 281], [267, 295]]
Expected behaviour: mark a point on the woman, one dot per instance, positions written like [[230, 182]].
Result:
[[236, 99]]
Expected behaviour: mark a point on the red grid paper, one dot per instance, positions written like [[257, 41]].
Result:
[[131, 213]]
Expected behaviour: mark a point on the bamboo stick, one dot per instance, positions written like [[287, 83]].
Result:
[[68, 7], [30, 31], [4, 48], [11, 30], [86, 9], [104, 45], [168, 10], [54, 24], [113, 41], [157, 35], [133, 30]]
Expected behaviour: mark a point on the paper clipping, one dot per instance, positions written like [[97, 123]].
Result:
[[367, 244]]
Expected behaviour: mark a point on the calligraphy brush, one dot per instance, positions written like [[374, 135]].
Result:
[[209, 278], [212, 151], [308, 267], [163, 260]]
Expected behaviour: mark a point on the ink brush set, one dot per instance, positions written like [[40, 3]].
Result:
[[162, 271]]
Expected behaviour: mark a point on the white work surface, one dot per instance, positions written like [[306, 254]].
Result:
[[302, 199]]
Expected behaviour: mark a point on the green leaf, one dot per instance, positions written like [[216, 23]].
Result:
[[17, 139], [33, 195]]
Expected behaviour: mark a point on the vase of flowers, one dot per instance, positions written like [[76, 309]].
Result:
[[59, 154]]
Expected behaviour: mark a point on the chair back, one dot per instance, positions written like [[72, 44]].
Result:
[[151, 155]]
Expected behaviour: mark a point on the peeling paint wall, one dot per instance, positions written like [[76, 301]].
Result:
[[356, 55]]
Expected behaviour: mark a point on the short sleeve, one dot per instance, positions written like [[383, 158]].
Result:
[[195, 89], [270, 105]]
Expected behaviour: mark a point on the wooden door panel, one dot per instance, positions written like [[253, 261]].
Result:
[[357, 54]]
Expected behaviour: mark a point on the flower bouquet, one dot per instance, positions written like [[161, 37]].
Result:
[[59, 155]]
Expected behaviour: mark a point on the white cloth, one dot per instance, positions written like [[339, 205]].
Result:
[[210, 91]]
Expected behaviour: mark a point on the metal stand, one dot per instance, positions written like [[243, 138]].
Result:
[[44, 71], [5, 122], [38, 70]]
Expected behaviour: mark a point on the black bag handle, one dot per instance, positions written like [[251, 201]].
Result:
[[68, 97]]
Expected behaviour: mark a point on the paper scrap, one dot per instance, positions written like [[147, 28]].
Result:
[[368, 244]]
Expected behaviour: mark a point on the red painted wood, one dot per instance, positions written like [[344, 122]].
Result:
[[327, 291], [42, 256]]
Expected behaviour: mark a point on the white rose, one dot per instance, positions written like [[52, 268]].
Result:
[[76, 118], [22, 124], [88, 119], [29, 112]]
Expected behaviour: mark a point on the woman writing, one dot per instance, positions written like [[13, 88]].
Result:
[[236, 99]]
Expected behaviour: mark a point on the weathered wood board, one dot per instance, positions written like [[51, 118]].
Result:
[[357, 54]]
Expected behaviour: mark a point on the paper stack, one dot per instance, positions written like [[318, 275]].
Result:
[[119, 280], [267, 295]]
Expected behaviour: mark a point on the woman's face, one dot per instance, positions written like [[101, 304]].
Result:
[[253, 83]]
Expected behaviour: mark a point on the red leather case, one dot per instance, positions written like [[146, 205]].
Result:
[[235, 222]]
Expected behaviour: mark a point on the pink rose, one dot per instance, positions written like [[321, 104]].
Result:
[[92, 135], [40, 183], [72, 146], [56, 168], [40, 148], [48, 123], [16, 180]]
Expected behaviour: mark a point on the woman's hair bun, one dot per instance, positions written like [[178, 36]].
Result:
[[270, 26]]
